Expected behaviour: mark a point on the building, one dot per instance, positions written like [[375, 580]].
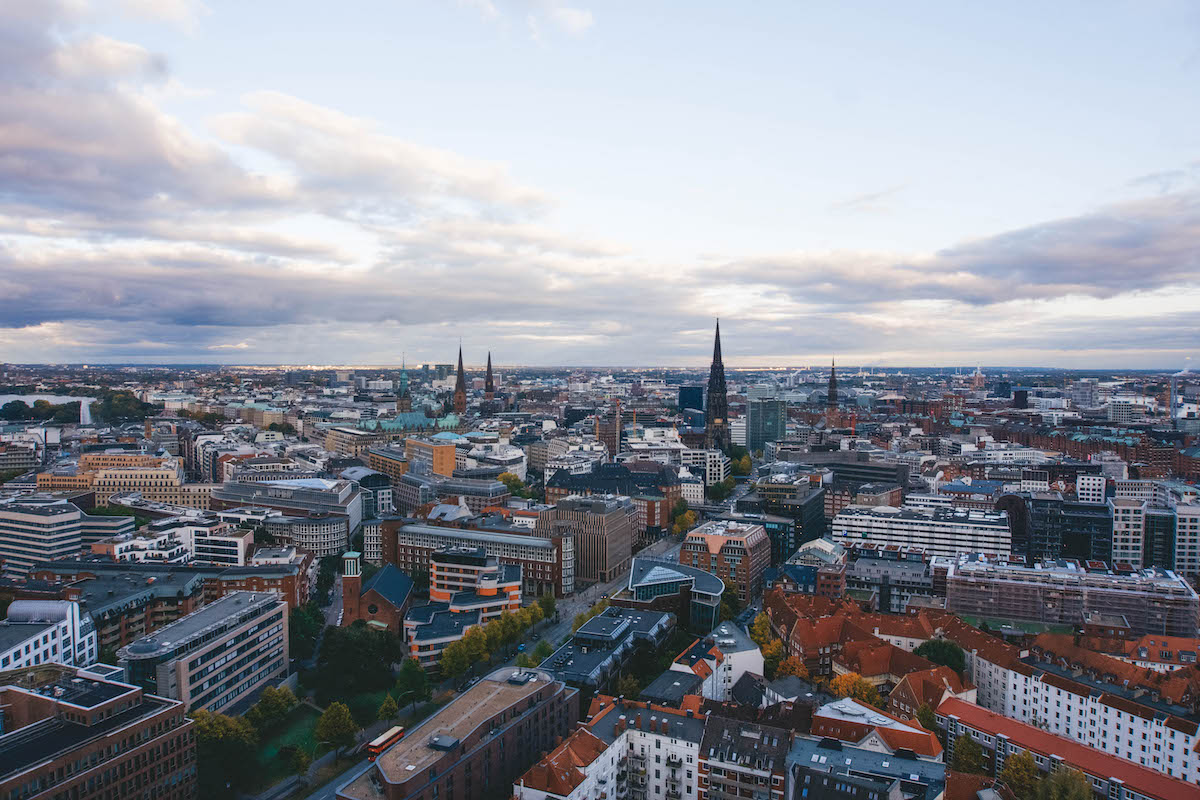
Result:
[[46, 631], [216, 655], [316, 498], [478, 745], [391, 461], [939, 531], [780, 530], [626, 747], [823, 768], [1091, 488], [163, 484], [16, 457], [376, 490], [430, 456], [720, 659], [733, 551], [602, 529], [1065, 593], [352, 442], [870, 728], [460, 387], [928, 687], [381, 602], [37, 527], [742, 759], [797, 499], [602, 646], [692, 595], [766, 421], [890, 577], [691, 396], [64, 734], [416, 489], [716, 409], [1109, 776], [712, 465], [547, 562]]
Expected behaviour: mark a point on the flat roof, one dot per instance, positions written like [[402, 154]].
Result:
[[203, 620], [478, 535]]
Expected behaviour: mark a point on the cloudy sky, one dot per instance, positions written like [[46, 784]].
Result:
[[592, 181]]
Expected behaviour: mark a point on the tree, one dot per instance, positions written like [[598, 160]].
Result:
[[792, 665], [515, 486], [628, 687], [222, 743], [304, 625], [536, 614], [856, 687], [577, 623], [413, 681], [476, 642], [944, 652], [548, 604], [684, 523], [494, 633], [760, 629], [337, 726], [742, 466], [356, 659], [926, 717], [511, 627], [773, 655], [455, 660], [272, 706], [543, 651], [1065, 784], [523, 661], [731, 606], [387, 709], [968, 756], [300, 760], [1020, 775]]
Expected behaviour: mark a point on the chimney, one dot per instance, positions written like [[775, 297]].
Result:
[[637, 722]]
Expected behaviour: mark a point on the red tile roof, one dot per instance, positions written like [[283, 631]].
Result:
[[561, 771], [1087, 759]]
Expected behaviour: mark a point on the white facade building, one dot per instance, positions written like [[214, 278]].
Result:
[[712, 465], [940, 531], [47, 631], [1090, 488]]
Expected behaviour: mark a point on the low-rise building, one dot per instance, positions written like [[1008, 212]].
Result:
[[720, 660], [693, 595], [47, 631], [742, 759], [604, 644]]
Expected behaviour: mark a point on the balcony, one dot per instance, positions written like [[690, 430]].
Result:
[[674, 794], [674, 761]]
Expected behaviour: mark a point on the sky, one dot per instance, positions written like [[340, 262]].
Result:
[[588, 182]]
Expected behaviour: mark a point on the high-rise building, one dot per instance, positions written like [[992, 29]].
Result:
[[716, 424], [766, 421], [460, 386], [734, 551], [691, 397], [603, 531]]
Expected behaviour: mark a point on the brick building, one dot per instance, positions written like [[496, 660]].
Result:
[[734, 551], [381, 601]]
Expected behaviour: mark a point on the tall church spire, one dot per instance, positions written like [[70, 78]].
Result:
[[832, 400], [489, 384], [716, 417], [460, 386], [403, 398]]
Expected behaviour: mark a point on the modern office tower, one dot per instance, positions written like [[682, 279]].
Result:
[[766, 421], [691, 397], [602, 527], [216, 655]]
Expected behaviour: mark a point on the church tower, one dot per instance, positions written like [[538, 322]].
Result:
[[403, 397], [716, 421], [832, 417], [489, 384], [460, 387]]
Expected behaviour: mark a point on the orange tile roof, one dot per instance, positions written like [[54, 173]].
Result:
[[1087, 759], [561, 771], [1178, 686], [875, 657], [930, 685]]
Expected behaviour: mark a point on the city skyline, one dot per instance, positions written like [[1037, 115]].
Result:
[[590, 185]]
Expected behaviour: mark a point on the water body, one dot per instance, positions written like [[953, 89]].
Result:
[[85, 411]]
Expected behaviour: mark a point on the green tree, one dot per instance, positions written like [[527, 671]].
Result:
[[792, 665], [760, 629], [387, 709], [577, 623], [356, 659], [272, 706], [628, 687], [455, 660], [300, 761], [510, 625], [543, 651], [304, 625], [476, 643], [535, 612], [968, 756], [926, 717], [742, 466], [413, 683], [731, 606], [548, 604], [1020, 774], [944, 652], [773, 655], [495, 635], [222, 743], [523, 661], [515, 486], [337, 726], [1065, 784]]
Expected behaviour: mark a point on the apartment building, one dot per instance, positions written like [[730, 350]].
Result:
[[720, 660], [216, 655], [71, 732], [739, 552], [742, 759], [46, 631], [391, 461], [712, 465]]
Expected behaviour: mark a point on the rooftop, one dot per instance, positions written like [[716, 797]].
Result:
[[225, 612]]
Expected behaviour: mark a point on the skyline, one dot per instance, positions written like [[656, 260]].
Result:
[[591, 185]]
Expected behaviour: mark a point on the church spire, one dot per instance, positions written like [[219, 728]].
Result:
[[403, 398], [489, 384], [460, 386], [716, 415], [832, 400]]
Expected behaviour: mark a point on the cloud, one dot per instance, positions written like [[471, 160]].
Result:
[[238, 346], [566, 18], [871, 202], [183, 14]]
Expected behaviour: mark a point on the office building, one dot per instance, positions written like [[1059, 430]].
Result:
[[734, 551], [711, 465], [1065, 593], [391, 461], [216, 655], [73, 733], [476, 746], [938, 531], [691, 396], [692, 595], [432, 456], [600, 648], [376, 490], [602, 528], [352, 442], [417, 489], [766, 421], [547, 561], [37, 527], [47, 631], [780, 530], [315, 498], [1091, 488]]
